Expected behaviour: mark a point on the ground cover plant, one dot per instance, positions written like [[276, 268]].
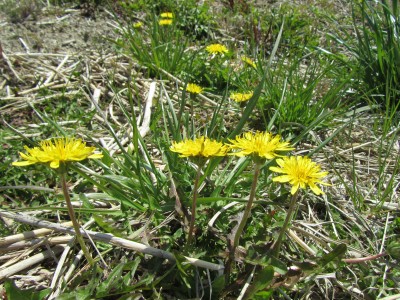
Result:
[[199, 150]]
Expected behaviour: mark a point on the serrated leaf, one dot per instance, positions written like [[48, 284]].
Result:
[[278, 265], [105, 226], [393, 249], [180, 259], [14, 293], [263, 295], [113, 280], [262, 279], [218, 284], [336, 253]]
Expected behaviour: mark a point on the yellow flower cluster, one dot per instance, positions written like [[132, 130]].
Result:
[[164, 22], [137, 25], [248, 61], [261, 144], [57, 151], [216, 49], [200, 147], [299, 171], [241, 97], [194, 88], [167, 15], [167, 18]]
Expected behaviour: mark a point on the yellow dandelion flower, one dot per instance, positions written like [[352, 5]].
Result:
[[194, 88], [200, 147], [300, 172], [164, 22], [241, 97], [167, 15], [137, 25], [216, 49], [248, 61], [262, 145], [57, 151]]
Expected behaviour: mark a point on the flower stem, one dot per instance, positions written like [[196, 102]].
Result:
[[193, 212], [75, 224], [277, 245], [192, 101], [247, 210]]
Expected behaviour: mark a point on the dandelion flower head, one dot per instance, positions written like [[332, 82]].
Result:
[[216, 49], [241, 97], [248, 61], [57, 151], [167, 15], [260, 145], [164, 22], [137, 25], [300, 172], [194, 88], [199, 147]]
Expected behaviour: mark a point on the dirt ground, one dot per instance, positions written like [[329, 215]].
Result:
[[77, 29], [56, 30]]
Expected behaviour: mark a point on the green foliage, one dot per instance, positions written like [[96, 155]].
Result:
[[156, 47], [377, 51], [303, 93], [195, 19], [14, 293]]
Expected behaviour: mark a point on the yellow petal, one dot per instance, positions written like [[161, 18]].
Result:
[[316, 189], [96, 155], [283, 178], [294, 189], [22, 163], [55, 164]]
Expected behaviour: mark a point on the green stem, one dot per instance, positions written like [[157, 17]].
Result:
[[193, 216], [246, 213], [277, 245], [75, 224], [192, 100]]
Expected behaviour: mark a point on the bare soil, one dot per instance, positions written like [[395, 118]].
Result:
[[56, 30]]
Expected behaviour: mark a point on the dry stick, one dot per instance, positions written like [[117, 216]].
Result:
[[109, 238], [358, 260], [54, 85], [3, 83], [30, 261], [57, 285], [23, 236], [56, 280], [21, 54], [300, 242], [25, 101], [145, 124], [23, 244], [7, 257], [53, 73], [11, 66]]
